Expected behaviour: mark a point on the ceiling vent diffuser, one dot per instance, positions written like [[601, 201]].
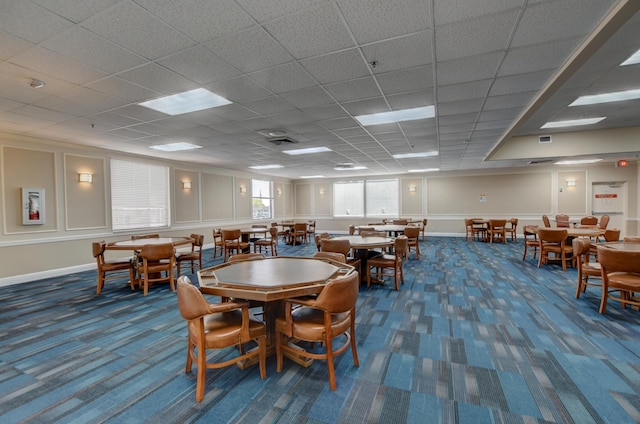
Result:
[[544, 139], [536, 162]]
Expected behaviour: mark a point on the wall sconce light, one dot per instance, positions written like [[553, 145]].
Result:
[[85, 178], [243, 189], [321, 192], [412, 188], [622, 163], [186, 185], [278, 192], [571, 183]]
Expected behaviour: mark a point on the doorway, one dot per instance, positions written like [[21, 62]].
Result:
[[608, 199]]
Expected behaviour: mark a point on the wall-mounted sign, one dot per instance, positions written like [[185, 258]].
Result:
[[483, 198], [606, 195]]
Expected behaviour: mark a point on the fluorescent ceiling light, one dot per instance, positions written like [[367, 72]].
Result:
[[573, 122], [174, 147], [266, 166], [312, 176], [188, 101], [352, 168], [416, 155], [617, 96], [632, 60], [397, 116], [306, 151], [577, 161], [424, 170]]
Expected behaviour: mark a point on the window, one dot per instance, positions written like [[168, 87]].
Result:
[[382, 198], [348, 198], [262, 199], [139, 195]]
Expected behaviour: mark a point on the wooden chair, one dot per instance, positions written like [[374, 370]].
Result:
[[400, 221], [311, 230], [271, 241], [218, 326], [365, 229], [233, 242], [321, 319], [632, 239], [340, 246], [604, 221], [246, 257], [530, 233], [156, 259], [110, 269], [588, 221], [497, 230], [195, 255], [284, 232], [512, 228], [552, 240], [423, 227], [218, 243], [144, 236], [299, 232], [389, 262], [318, 239], [469, 229], [581, 252], [338, 257], [352, 230], [562, 221], [413, 239], [546, 221], [620, 273]]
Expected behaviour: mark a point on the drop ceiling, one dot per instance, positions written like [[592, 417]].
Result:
[[494, 69]]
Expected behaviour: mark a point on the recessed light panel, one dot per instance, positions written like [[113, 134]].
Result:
[[306, 151], [424, 170], [188, 101], [352, 168], [415, 155], [266, 166], [632, 60], [573, 122], [311, 176], [577, 161], [175, 147], [617, 96], [397, 116]]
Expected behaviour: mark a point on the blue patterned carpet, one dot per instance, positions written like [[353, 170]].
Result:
[[476, 335]]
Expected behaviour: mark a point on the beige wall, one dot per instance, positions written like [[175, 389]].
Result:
[[77, 214]]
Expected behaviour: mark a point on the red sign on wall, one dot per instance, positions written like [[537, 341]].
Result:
[[606, 196]]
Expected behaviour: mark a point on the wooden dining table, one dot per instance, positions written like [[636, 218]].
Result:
[[361, 246], [270, 281]]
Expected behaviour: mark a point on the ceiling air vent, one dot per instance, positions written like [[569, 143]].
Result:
[[544, 139], [282, 140]]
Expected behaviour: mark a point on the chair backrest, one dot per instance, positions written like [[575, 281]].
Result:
[[632, 239], [497, 223], [246, 257], [562, 220], [612, 234], [198, 240], [400, 221], [339, 295], [98, 248], [352, 230], [614, 260], [144, 236], [588, 220], [156, 252], [332, 245], [581, 246], [319, 237], [412, 232], [468, 222], [552, 235], [300, 227], [528, 230], [401, 245], [604, 221], [230, 235], [545, 221], [191, 302], [338, 257], [513, 222], [369, 233], [361, 229], [273, 232]]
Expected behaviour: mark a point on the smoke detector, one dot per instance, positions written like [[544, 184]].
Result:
[[36, 83]]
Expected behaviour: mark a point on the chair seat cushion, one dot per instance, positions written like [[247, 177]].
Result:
[[382, 261], [308, 323], [187, 256], [625, 280], [224, 329], [116, 265]]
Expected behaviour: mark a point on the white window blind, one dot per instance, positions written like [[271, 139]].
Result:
[[382, 198], [262, 199], [348, 198], [139, 195]]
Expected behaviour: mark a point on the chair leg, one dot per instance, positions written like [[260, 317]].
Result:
[[202, 373], [354, 351], [330, 364], [190, 347]]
